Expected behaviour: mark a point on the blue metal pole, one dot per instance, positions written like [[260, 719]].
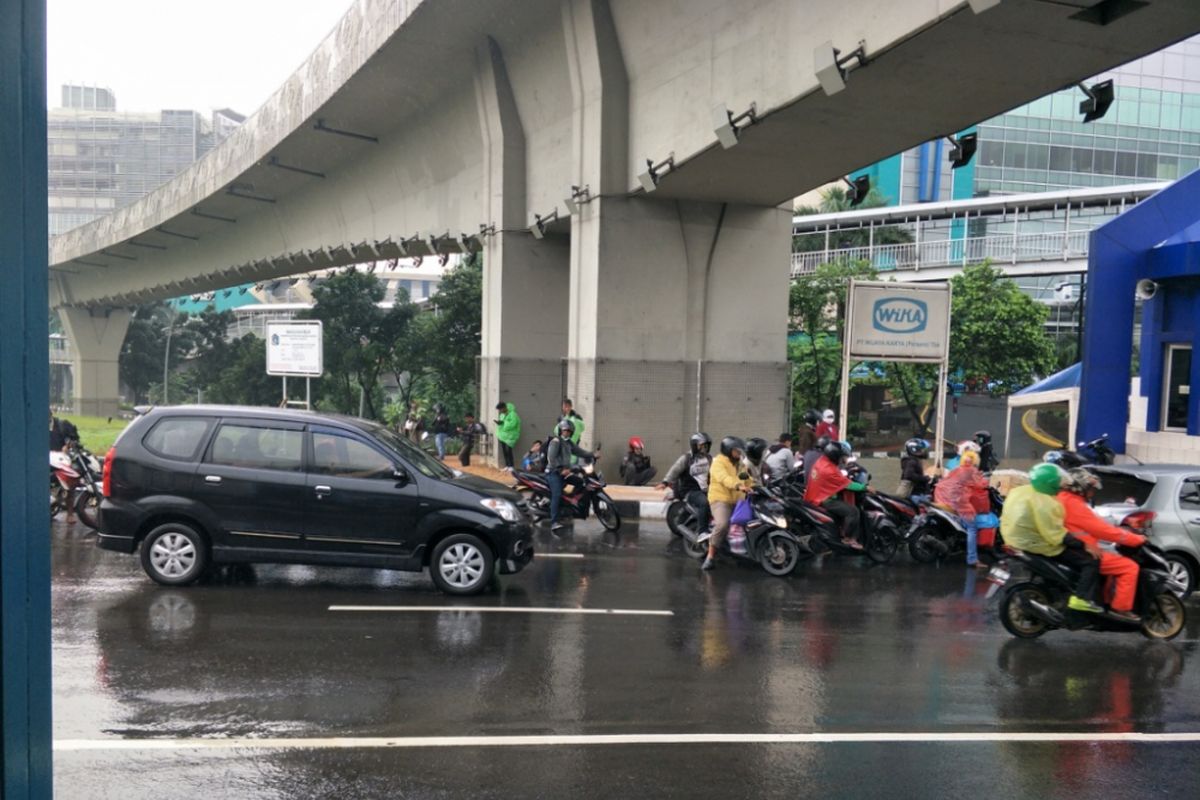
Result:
[[25, 769]]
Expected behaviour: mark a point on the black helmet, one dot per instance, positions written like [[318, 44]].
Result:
[[812, 417], [983, 437], [700, 439], [822, 442], [917, 447], [755, 449], [565, 424], [833, 450], [731, 443]]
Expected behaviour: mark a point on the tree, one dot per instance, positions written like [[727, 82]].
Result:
[[453, 332], [212, 353], [243, 380], [997, 332], [835, 200], [141, 360]]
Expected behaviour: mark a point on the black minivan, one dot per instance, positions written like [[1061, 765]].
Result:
[[198, 485]]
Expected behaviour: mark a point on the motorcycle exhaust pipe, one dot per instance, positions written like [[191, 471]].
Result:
[[1043, 612]]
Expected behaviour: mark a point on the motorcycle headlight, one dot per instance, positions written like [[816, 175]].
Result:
[[506, 510], [778, 520]]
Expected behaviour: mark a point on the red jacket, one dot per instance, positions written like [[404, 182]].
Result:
[[1084, 523], [825, 481], [829, 429], [960, 488]]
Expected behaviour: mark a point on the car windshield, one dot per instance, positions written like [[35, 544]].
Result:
[[424, 463], [1121, 487]]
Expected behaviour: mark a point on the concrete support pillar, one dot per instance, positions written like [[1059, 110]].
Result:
[[678, 322], [96, 338], [525, 280]]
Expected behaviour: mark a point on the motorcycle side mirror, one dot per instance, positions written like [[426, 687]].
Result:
[[401, 476]]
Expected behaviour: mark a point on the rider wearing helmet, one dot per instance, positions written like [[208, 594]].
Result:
[[1085, 524], [913, 480], [964, 491], [1033, 521], [987, 454], [807, 436], [756, 450], [780, 459], [635, 466], [827, 426], [825, 486], [813, 455], [558, 466], [726, 485], [1063, 458], [688, 476]]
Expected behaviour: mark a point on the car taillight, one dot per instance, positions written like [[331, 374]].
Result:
[[1140, 521], [106, 486]]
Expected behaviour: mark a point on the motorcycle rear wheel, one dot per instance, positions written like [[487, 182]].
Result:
[[1015, 620], [882, 546], [921, 552], [676, 512], [607, 513], [1168, 618], [87, 506]]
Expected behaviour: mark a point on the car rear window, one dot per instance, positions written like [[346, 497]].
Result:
[[176, 437], [1121, 487]]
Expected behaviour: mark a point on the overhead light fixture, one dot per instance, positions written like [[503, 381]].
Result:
[[579, 196], [726, 125], [405, 246], [831, 66], [1099, 97], [538, 228], [962, 149], [649, 179], [980, 6], [857, 189], [487, 230], [465, 241]]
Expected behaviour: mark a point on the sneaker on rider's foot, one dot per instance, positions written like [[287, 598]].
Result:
[[1077, 603], [709, 564], [1126, 616]]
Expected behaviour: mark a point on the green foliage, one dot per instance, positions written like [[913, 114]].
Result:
[[997, 332], [141, 360], [242, 378], [834, 200]]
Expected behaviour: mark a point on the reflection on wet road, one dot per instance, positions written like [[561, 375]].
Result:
[[840, 647]]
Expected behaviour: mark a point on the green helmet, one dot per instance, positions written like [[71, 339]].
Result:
[[1045, 478]]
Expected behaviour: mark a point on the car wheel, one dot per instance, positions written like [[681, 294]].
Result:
[[461, 564], [174, 554], [1181, 570]]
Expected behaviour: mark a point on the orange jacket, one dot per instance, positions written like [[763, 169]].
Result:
[[1084, 523]]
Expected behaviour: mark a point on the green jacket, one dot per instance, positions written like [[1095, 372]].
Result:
[[577, 421], [509, 429]]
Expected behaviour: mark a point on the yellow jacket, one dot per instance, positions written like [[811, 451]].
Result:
[[724, 486], [1033, 522]]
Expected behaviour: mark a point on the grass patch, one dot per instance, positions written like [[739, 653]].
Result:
[[97, 433]]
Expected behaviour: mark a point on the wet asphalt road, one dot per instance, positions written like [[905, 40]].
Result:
[[839, 648]]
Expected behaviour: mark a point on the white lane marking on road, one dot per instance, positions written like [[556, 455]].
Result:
[[626, 612], [371, 742], [557, 555]]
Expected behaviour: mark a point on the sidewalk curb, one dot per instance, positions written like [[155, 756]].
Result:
[[641, 509]]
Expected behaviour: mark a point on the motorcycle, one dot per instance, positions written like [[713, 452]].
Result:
[[682, 515], [937, 533], [582, 492], [89, 490], [1035, 590], [63, 479], [769, 542], [1097, 451], [879, 533]]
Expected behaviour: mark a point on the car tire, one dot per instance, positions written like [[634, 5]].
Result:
[[1181, 566], [462, 564], [174, 554]]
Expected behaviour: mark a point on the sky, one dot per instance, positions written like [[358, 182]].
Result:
[[157, 54]]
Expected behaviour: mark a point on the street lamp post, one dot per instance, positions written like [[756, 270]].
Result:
[[167, 358]]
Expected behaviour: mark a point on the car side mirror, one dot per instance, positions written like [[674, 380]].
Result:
[[401, 475]]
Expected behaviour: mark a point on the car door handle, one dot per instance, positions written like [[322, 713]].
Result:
[[1196, 520], [322, 491], [212, 478]]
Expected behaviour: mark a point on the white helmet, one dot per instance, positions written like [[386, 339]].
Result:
[[967, 445], [828, 415]]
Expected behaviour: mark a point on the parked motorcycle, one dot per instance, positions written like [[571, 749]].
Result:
[[63, 478], [769, 542], [583, 492], [89, 489], [937, 533], [1035, 590], [1097, 451]]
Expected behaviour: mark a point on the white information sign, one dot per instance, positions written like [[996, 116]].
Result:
[[901, 322], [295, 348]]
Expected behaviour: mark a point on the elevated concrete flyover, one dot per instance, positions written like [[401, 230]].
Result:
[[417, 122]]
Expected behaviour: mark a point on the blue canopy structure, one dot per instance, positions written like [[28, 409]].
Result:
[[1068, 378]]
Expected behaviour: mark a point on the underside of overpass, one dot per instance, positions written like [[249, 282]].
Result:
[[426, 126]]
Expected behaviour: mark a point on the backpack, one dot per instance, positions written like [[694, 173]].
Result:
[[68, 430]]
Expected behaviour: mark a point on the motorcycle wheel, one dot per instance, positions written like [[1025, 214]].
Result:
[[607, 513], [779, 555], [882, 547], [1014, 618], [87, 506], [919, 551], [1167, 618], [676, 512], [694, 547]]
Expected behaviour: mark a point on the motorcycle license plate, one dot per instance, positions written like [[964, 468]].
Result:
[[998, 575]]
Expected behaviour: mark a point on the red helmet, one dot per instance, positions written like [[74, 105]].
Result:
[[636, 443]]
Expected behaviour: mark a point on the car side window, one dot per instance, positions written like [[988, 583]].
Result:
[[259, 448], [1189, 494], [176, 437], [347, 458]]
